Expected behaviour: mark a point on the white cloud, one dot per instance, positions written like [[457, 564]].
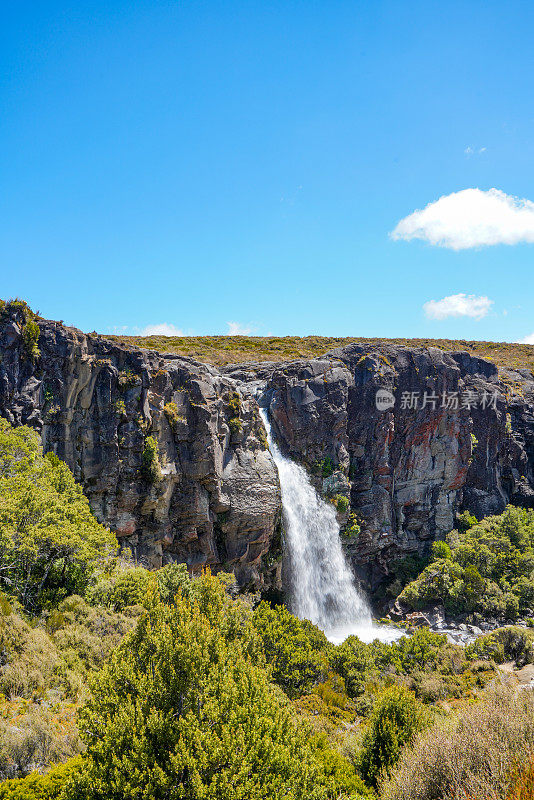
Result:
[[470, 218], [469, 151], [458, 305], [161, 329], [236, 329], [527, 339]]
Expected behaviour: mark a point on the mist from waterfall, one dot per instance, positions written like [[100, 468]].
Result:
[[322, 585]]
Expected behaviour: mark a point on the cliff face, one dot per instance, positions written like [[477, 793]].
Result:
[[406, 470], [410, 468], [218, 501]]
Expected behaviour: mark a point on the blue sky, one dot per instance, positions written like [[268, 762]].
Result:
[[197, 164]]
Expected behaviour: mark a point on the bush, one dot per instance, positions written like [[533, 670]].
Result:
[[33, 743], [341, 502], [29, 660], [504, 644], [30, 337], [179, 710], [173, 415], [473, 756], [441, 550], [296, 660], [396, 719], [172, 580], [41, 787], [235, 425], [150, 466]]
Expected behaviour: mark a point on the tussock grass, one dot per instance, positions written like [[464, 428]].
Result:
[[223, 350]]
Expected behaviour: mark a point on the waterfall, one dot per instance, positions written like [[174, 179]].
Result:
[[322, 584]]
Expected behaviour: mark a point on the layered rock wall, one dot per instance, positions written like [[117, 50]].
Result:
[[406, 470]]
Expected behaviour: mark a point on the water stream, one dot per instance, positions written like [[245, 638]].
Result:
[[322, 585]]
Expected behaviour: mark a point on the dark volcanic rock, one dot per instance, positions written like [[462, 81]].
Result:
[[409, 470], [94, 403], [406, 470]]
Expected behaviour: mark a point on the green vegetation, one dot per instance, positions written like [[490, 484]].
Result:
[[50, 543], [120, 408], [397, 717], [30, 337], [324, 467], [27, 320], [297, 660], [221, 350], [488, 568], [234, 410], [352, 529], [120, 683], [505, 644], [173, 415], [235, 425], [181, 704], [126, 379], [426, 663], [341, 502], [150, 467]]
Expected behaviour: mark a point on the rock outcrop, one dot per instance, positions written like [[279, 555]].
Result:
[[459, 436], [217, 503], [406, 467]]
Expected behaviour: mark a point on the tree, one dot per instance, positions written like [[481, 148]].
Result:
[[179, 713], [49, 540]]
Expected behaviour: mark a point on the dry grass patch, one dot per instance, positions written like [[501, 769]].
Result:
[[479, 756], [222, 350]]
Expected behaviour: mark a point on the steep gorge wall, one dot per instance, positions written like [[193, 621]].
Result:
[[94, 403], [407, 472]]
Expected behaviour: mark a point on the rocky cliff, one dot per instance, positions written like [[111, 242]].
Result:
[[217, 502], [459, 435]]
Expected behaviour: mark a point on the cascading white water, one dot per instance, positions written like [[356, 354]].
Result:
[[322, 584]]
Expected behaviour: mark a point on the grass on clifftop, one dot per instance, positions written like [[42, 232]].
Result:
[[222, 350]]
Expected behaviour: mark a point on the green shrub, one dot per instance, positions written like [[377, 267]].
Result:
[[172, 580], [234, 405], [120, 408], [341, 502], [50, 543], [235, 425], [30, 337], [396, 719], [126, 379], [150, 466], [324, 467], [504, 644], [179, 710], [42, 787], [297, 659], [487, 568], [465, 520], [173, 415], [441, 550]]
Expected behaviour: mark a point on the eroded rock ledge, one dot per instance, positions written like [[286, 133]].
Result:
[[405, 471]]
